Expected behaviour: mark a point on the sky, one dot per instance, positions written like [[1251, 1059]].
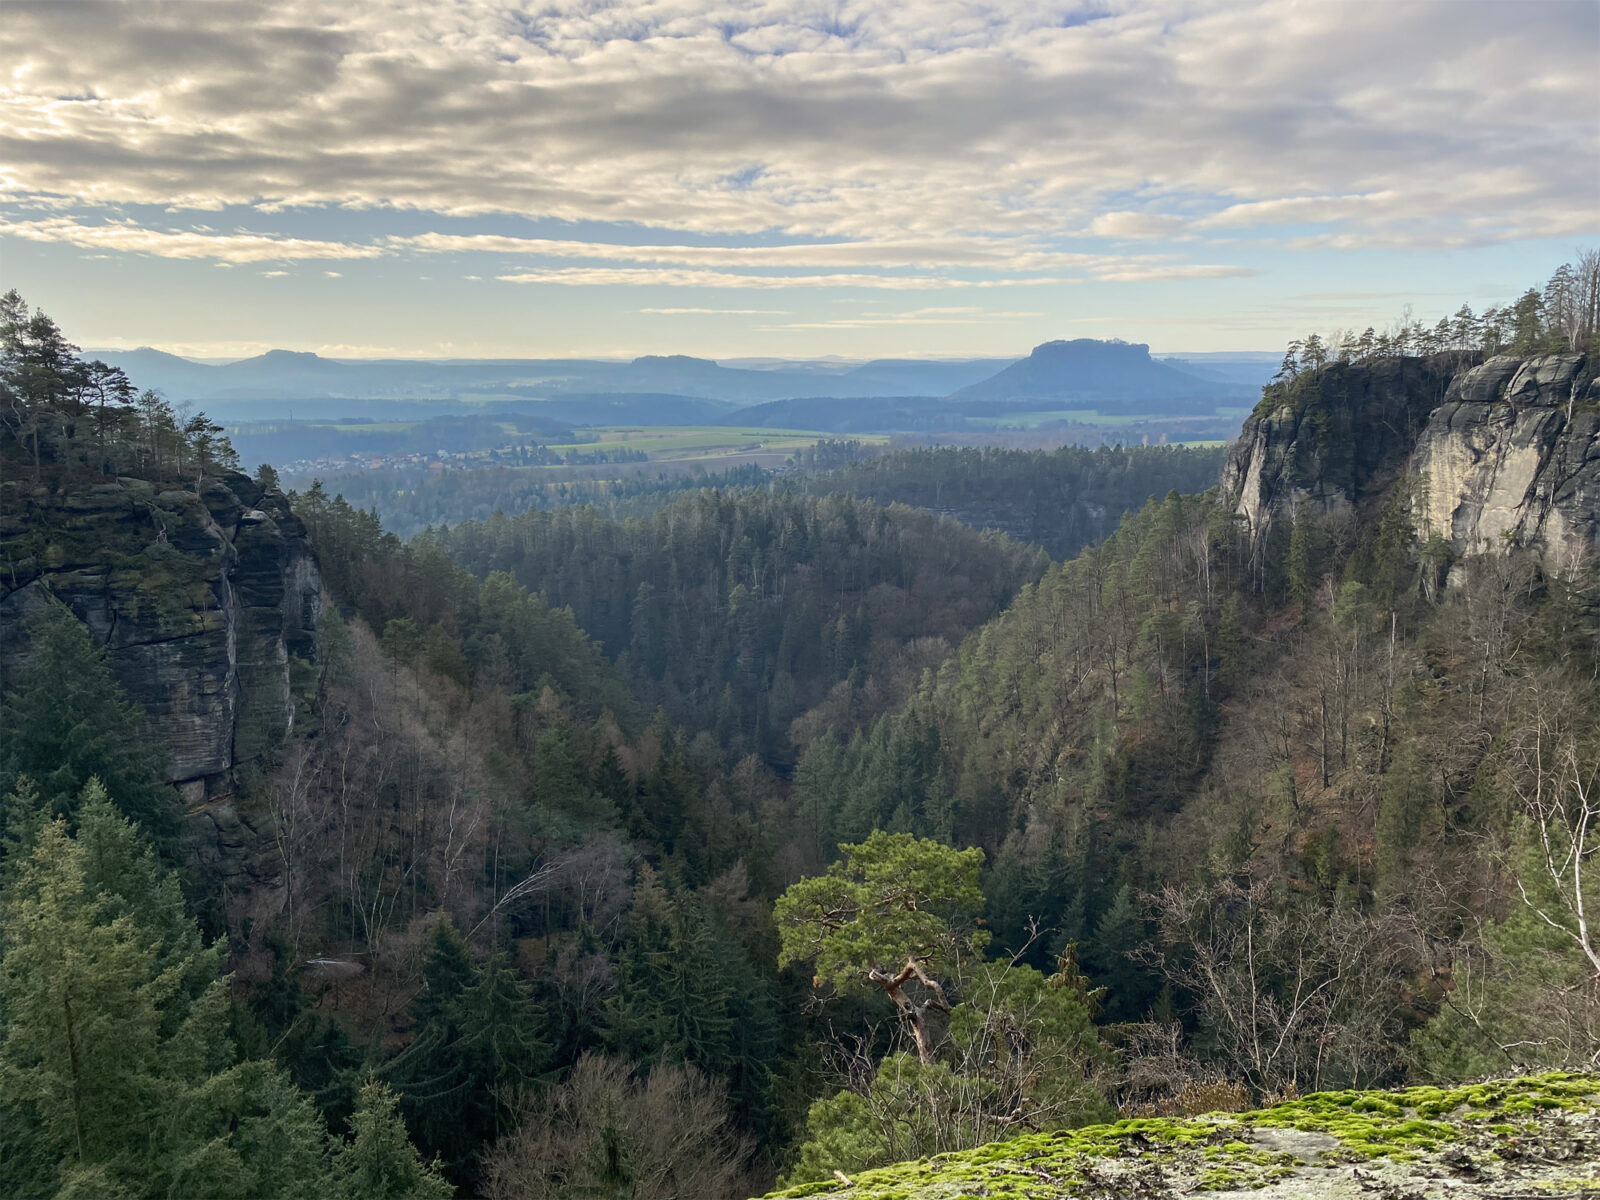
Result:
[[428, 178]]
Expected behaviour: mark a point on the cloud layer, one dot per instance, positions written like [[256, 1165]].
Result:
[[910, 123], [1019, 151]]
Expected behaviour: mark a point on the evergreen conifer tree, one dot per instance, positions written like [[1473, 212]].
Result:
[[64, 719], [379, 1162], [116, 1073]]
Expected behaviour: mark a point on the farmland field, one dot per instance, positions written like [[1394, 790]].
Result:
[[671, 442]]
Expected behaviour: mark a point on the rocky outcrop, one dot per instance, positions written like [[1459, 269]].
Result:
[[1534, 1136], [1513, 457], [1503, 452], [207, 601], [1331, 438]]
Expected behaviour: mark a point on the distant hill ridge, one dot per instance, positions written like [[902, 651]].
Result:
[[1082, 371]]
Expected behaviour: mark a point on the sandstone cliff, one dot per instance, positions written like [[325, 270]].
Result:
[[1503, 452], [1513, 456], [207, 603]]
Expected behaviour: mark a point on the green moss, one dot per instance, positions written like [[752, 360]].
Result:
[[1216, 1152]]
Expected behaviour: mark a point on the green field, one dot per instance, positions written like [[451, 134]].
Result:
[[1078, 416], [662, 443], [666, 442]]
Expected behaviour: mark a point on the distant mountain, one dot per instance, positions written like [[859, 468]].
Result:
[[685, 376], [277, 374], [921, 377], [1244, 368], [168, 374], [634, 408], [682, 388], [1109, 376], [287, 375], [682, 375]]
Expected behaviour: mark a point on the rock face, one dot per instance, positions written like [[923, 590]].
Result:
[[207, 603], [1340, 435], [1504, 452], [1513, 456]]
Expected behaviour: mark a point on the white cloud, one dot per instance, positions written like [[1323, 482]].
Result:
[[976, 254], [688, 277], [1137, 273], [917, 121], [1298, 210], [229, 249], [964, 316], [985, 252], [727, 312], [1135, 225]]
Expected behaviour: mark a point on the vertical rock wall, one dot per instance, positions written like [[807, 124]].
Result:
[[204, 599], [1513, 457], [1504, 452]]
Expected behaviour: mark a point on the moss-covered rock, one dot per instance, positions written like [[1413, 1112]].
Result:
[[1534, 1136]]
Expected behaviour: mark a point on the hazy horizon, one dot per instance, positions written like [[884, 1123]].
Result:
[[727, 360]]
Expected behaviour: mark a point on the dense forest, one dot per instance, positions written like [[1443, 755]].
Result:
[[1061, 500], [408, 501], [776, 832]]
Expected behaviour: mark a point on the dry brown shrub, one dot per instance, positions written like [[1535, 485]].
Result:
[[606, 1131]]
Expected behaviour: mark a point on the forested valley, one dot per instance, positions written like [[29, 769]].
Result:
[[785, 828]]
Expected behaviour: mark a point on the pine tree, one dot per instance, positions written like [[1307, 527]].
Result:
[[1402, 815], [115, 1075], [65, 719], [1301, 581], [476, 1047], [1121, 930], [379, 1162]]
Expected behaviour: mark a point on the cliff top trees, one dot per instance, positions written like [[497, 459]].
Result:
[[1564, 316], [84, 417]]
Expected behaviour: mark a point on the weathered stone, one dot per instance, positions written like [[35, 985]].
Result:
[[199, 599], [1346, 438], [1508, 454], [1523, 471]]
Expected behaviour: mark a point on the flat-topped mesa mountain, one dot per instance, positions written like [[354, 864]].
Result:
[[1093, 373], [1501, 452], [207, 600]]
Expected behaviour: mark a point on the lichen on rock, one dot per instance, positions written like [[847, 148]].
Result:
[[1538, 1135]]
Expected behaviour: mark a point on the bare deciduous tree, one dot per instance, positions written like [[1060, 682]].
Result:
[[1294, 996], [1554, 769], [606, 1132]]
